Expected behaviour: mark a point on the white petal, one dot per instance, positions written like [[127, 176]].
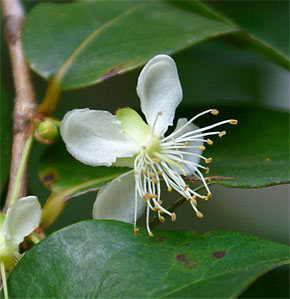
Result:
[[189, 128], [21, 220], [116, 200], [95, 137], [159, 90]]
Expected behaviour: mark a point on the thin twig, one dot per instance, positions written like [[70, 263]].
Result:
[[25, 105]]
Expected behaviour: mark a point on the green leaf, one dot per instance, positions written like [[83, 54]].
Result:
[[67, 177], [266, 24], [254, 153], [104, 259], [59, 171], [101, 39]]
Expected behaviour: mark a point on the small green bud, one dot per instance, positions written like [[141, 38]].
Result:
[[47, 131]]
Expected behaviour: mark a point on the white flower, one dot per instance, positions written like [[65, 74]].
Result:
[[100, 138], [21, 220]]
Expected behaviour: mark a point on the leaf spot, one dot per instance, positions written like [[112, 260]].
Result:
[[188, 263], [113, 72], [160, 239], [49, 179], [219, 254]]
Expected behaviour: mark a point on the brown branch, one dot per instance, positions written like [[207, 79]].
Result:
[[25, 105]]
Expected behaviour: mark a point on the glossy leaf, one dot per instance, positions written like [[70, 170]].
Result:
[[104, 259], [265, 22], [101, 39]]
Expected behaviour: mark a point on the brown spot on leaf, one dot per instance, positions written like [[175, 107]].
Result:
[[187, 262], [219, 254], [49, 178], [160, 239], [114, 71]]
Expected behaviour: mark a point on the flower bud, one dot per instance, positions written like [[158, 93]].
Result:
[[47, 131]]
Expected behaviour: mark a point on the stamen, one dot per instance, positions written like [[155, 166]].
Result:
[[169, 189], [159, 172], [201, 147], [194, 202], [208, 160], [186, 124], [199, 214], [233, 122], [223, 133], [204, 197], [161, 219], [185, 187], [136, 231], [156, 160], [152, 174], [214, 112], [173, 217], [150, 234], [209, 195], [186, 143], [207, 170], [209, 141]]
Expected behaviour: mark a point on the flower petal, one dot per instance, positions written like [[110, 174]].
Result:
[[189, 128], [95, 137], [159, 90], [116, 200], [21, 220]]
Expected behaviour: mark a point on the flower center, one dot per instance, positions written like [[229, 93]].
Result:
[[153, 146]]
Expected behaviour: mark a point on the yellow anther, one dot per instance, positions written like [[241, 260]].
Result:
[[155, 181], [155, 209], [173, 216], [194, 202], [209, 195], [214, 112], [160, 113], [150, 234], [153, 196], [169, 189], [204, 197], [136, 231], [222, 133], [208, 160], [145, 197], [194, 196], [144, 171], [201, 147], [188, 198], [267, 159], [156, 160], [159, 172], [152, 174], [179, 162], [209, 141], [186, 143], [199, 214], [233, 121], [185, 187], [160, 202], [161, 219], [207, 170]]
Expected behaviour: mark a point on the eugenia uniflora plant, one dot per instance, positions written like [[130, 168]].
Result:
[[127, 158]]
